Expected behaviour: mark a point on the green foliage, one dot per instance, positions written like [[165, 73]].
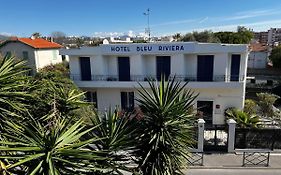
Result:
[[117, 131], [52, 86], [165, 131], [59, 68], [13, 87], [28, 147], [250, 107], [243, 119], [265, 103], [240, 37], [205, 36], [275, 57]]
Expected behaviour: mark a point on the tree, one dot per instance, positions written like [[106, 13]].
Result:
[[165, 131], [52, 86], [177, 37], [265, 103], [242, 36], [250, 107], [58, 36], [205, 36], [117, 133], [275, 57], [32, 148]]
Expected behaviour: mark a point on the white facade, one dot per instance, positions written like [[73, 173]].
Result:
[[36, 58], [258, 60], [222, 90]]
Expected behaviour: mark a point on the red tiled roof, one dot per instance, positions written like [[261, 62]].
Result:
[[39, 43], [258, 47]]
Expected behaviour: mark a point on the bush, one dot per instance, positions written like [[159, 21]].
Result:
[[250, 107]]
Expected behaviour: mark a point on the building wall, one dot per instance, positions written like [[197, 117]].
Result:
[[17, 49], [225, 98], [223, 93], [46, 57], [257, 60]]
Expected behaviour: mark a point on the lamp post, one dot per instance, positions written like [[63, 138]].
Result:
[[147, 13]]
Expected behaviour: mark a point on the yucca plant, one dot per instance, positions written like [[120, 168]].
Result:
[[166, 127], [243, 119], [13, 87], [119, 132], [31, 148]]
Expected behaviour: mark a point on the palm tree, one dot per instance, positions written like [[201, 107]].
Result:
[[166, 128], [32, 148]]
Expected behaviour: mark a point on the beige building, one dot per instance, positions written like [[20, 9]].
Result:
[[37, 52]]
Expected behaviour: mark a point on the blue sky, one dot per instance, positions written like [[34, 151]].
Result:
[[114, 17]]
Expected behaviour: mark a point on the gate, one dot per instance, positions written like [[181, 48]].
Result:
[[215, 138]]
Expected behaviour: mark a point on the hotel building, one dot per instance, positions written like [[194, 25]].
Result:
[[110, 73]]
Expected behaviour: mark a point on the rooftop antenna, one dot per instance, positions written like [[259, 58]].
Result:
[[147, 30]]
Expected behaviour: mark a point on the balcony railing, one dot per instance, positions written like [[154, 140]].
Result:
[[215, 78]]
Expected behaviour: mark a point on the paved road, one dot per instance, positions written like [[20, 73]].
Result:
[[233, 172]]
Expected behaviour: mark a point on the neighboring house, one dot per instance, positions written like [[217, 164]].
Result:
[[37, 51], [258, 57], [110, 73]]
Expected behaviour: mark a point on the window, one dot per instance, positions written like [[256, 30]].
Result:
[[92, 97], [25, 55], [54, 54], [127, 101]]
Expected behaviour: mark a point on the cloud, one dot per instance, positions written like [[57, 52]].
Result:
[[6, 34], [175, 22], [258, 26], [203, 20], [250, 14]]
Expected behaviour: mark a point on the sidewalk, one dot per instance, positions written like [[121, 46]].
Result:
[[232, 161]]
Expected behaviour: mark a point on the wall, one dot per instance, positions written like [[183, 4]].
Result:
[[17, 49], [257, 60], [46, 57], [110, 97]]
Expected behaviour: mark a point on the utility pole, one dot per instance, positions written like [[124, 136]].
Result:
[[147, 30]]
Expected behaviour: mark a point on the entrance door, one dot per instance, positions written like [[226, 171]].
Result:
[[205, 67], [235, 68], [85, 67], [205, 109], [163, 67], [124, 68]]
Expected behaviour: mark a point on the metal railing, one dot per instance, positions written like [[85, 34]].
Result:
[[191, 78]]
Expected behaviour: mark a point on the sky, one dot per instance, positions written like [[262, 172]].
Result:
[[118, 17]]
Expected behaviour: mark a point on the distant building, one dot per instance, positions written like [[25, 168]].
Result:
[[110, 73], [274, 36], [37, 52], [258, 57], [261, 37]]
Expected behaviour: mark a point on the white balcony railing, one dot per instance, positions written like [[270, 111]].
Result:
[[139, 78]]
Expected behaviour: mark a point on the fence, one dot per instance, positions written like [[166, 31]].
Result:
[[257, 138]]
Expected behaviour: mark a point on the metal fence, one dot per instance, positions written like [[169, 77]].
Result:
[[257, 138]]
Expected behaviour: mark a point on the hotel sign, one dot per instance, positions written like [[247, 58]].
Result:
[[146, 48]]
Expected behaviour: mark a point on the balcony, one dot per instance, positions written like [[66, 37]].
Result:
[[140, 78]]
